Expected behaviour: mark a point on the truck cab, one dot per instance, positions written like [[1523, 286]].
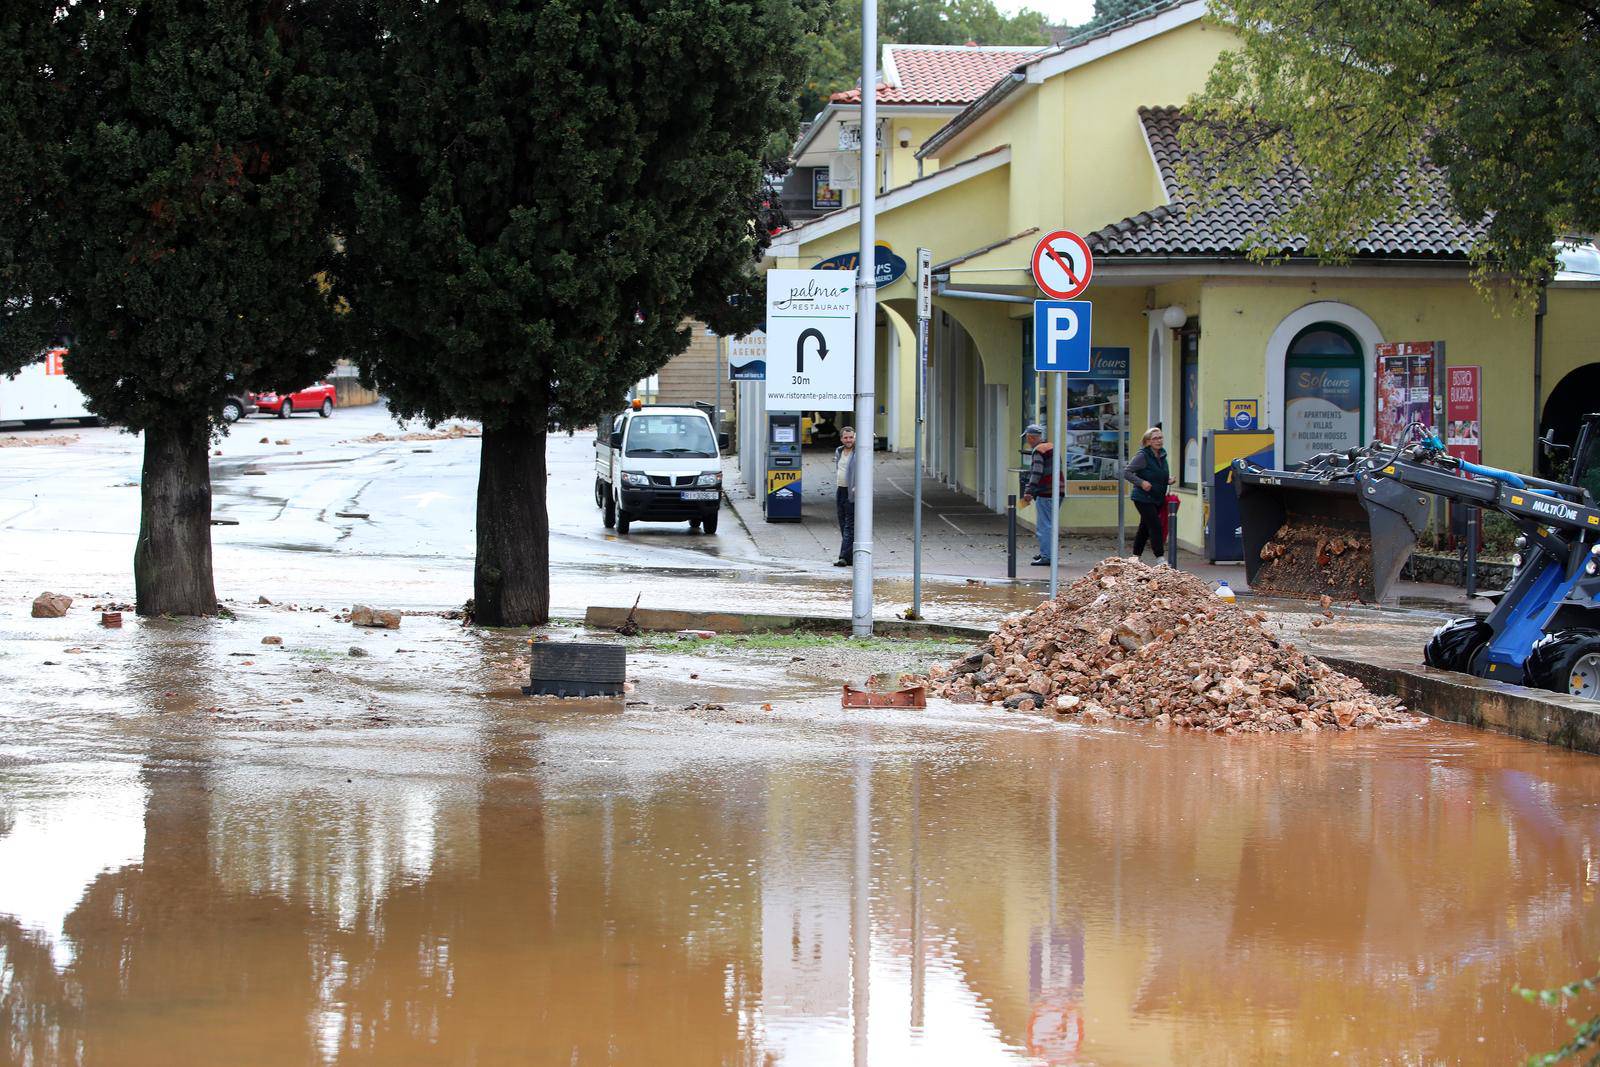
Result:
[[658, 463]]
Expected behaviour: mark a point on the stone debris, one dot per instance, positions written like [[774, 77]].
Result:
[[51, 605], [272, 640], [1313, 559], [1131, 641], [442, 433], [35, 440], [111, 620], [379, 618]]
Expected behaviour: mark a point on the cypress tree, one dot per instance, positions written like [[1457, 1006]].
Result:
[[167, 171], [553, 186]]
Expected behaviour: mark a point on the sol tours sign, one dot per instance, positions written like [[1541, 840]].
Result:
[[811, 340]]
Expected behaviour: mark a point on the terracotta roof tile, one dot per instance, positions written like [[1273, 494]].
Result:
[[930, 74], [1431, 228]]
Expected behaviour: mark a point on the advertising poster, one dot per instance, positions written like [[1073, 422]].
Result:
[[824, 197], [811, 340], [1405, 387], [1462, 407], [747, 357], [1322, 411], [1096, 426]]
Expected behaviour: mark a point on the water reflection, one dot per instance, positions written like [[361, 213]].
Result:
[[938, 893]]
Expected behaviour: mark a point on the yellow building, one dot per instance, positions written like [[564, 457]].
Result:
[[1084, 137]]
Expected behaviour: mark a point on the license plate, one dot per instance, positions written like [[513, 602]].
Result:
[[701, 494]]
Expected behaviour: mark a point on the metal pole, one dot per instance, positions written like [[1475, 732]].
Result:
[[1122, 466], [866, 321], [1172, 534], [916, 473], [1055, 481], [1473, 518], [1011, 536], [1538, 375], [721, 372]]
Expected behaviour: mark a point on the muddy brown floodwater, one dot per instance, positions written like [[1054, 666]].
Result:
[[215, 851]]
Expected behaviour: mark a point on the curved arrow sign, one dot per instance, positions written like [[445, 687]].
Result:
[[809, 309]]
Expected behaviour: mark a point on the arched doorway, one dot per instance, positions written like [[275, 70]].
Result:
[[1324, 392], [1575, 396]]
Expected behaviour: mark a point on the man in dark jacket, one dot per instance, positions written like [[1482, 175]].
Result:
[[1036, 491], [1150, 476]]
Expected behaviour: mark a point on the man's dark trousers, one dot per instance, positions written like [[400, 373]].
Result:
[[847, 521]]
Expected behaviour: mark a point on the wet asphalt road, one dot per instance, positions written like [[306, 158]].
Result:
[[73, 510]]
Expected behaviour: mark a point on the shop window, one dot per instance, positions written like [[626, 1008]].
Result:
[[1324, 393], [1189, 405]]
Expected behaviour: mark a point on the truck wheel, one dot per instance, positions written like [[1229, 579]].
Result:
[[1453, 645], [232, 412], [611, 513], [1568, 662], [709, 523], [624, 520]]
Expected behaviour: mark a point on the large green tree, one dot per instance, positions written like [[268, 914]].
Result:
[[1502, 94], [833, 49], [164, 198], [552, 187]]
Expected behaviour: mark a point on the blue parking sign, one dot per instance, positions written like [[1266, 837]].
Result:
[[1061, 331]]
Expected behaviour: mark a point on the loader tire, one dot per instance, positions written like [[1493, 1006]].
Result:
[[1567, 662], [1453, 645]]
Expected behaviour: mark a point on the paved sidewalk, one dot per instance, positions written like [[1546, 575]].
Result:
[[960, 537]]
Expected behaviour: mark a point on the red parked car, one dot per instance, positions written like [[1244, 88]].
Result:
[[318, 398]]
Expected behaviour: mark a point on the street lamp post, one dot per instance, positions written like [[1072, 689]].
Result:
[[866, 318]]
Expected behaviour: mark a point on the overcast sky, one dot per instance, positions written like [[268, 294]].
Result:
[[1058, 12]]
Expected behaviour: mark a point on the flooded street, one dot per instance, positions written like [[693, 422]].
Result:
[[218, 851]]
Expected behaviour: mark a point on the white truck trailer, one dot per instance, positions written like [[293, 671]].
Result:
[[41, 392]]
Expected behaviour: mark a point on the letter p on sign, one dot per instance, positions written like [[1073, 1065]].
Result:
[[1061, 335]]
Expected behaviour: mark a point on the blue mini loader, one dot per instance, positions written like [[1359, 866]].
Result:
[[1544, 630]]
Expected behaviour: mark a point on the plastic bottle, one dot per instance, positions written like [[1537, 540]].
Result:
[[1225, 593]]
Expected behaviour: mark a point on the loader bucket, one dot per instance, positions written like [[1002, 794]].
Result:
[[1312, 535]]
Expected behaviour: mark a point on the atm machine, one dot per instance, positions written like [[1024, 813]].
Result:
[[783, 466]]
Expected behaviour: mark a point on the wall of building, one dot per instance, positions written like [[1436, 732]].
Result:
[[694, 374]]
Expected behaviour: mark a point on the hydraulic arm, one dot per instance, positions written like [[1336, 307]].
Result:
[[1545, 628]]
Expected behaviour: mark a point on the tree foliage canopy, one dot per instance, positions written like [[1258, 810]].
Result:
[[552, 187], [1502, 94], [833, 49], [162, 197]]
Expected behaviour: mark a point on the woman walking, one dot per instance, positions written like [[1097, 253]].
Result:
[[1149, 474]]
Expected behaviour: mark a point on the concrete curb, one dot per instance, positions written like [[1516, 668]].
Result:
[[729, 622], [1531, 714]]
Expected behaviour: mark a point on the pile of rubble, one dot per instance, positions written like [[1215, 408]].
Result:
[[1138, 642], [452, 432], [1308, 559]]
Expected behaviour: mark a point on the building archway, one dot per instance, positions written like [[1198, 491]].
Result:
[[1359, 330], [1576, 395]]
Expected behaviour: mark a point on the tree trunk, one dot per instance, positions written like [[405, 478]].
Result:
[[511, 581], [172, 561]]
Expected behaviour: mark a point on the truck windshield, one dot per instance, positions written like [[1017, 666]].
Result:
[[688, 436]]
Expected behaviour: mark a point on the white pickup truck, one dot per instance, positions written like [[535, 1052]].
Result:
[[654, 463]]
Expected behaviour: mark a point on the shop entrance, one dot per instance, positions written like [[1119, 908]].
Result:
[[1324, 393]]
